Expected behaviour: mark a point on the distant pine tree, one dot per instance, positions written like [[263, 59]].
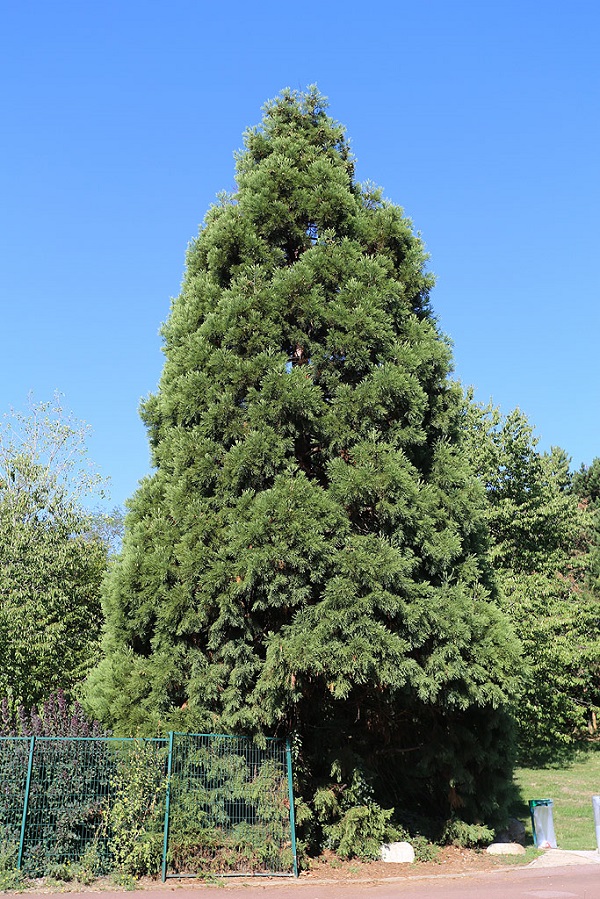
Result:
[[309, 555], [586, 487]]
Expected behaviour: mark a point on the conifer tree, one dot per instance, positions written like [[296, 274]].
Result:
[[309, 555], [586, 487]]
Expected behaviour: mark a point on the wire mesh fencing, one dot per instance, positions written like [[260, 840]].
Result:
[[14, 757], [230, 807], [184, 805]]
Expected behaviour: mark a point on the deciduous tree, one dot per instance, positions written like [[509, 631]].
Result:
[[543, 558], [52, 559]]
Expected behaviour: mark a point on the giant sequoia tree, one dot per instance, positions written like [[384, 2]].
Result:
[[309, 555]]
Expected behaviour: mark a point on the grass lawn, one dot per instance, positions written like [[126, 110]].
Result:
[[571, 786]]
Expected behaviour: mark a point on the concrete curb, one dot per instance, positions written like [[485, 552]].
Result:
[[559, 858]]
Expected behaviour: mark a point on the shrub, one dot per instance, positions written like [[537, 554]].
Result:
[[467, 836]]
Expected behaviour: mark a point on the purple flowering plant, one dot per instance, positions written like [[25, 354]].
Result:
[[56, 718]]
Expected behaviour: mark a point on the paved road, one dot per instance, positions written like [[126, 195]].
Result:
[[573, 882]]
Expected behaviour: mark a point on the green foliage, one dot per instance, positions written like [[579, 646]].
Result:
[[51, 558], [98, 805], [90, 866], [586, 487], [67, 786], [532, 516], [229, 807], [136, 813], [541, 535], [65, 811], [360, 832], [309, 554], [467, 836], [352, 823], [11, 879], [424, 850], [586, 482], [84, 872]]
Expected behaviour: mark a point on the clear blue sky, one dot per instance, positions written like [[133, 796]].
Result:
[[119, 121]]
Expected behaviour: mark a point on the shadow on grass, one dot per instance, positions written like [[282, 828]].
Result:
[[558, 755]]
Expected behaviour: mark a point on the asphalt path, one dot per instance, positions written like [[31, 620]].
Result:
[[573, 882]]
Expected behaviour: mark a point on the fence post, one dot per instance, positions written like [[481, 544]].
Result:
[[288, 756], [25, 804], [167, 807]]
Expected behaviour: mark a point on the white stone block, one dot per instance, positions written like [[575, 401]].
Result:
[[399, 853], [506, 849]]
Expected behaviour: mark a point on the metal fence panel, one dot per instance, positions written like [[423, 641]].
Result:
[[210, 803], [229, 807], [14, 759], [73, 780]]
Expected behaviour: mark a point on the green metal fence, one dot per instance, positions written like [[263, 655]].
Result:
[[205, 803]]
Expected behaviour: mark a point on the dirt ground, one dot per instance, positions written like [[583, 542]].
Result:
[[449, 860], [326, 870]]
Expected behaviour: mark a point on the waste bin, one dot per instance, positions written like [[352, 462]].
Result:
[[542, 823], [596, 807]]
